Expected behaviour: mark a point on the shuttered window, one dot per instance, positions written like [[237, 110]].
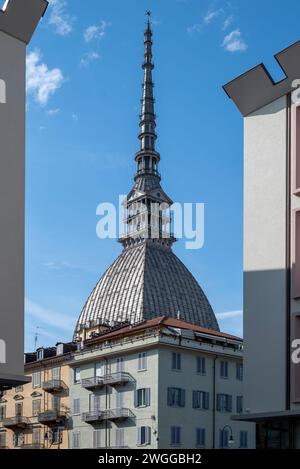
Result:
[[201, 400]]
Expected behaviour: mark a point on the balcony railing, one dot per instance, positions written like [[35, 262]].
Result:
[[33, 446], [109, 414], [51, 416], [118, 414], [116, 379], [19, 421], [92, 383], [54, 386]]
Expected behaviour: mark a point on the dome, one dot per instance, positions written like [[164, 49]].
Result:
[[146, 281]]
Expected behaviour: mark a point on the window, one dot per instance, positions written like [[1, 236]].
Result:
[[19, 409], [56, 437], [120, 364], [120, 437], [144, 435], [76, 440], [36, 407], [176, 361], [239, 404], [176, 397], [18, 439], [239, 371], [224, 439], [76, 375], [36, 379], [175, 435], [56, 403], [142, 397], [99, 369], [224, 403], [97, 438], [40, 354], [224, 369], [94, 403], [76, 406], [36, 436], [200, 436], [243, 439], [19, 389], [2, 439], [142, 364], [200, 400], [2, 412], [201, 365], [56, 373], [60, 349]]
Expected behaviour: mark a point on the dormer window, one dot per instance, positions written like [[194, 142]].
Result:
[[60, 349], [40, 354]]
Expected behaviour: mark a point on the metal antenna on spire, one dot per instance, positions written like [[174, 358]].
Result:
[[36, 335]]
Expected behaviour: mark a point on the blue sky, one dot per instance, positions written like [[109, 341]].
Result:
[[84, 88]]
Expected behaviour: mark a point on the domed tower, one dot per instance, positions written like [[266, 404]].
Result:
[[147, 280]]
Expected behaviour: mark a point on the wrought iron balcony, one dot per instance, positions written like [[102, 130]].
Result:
[[51, 416], [54, 386], [116, 379], [19, 421], [33, 446], [92, 417], [117, 414], [109, 414], [92, 383]]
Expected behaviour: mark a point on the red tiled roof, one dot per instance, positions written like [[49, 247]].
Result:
[[163, 321]]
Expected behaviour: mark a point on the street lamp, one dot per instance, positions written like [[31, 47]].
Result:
[[231, 440]]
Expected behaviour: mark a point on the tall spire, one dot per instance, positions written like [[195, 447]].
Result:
[[147, 205], [147, 158]]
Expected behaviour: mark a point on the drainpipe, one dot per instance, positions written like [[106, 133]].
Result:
[[214, 402], [106, 402]]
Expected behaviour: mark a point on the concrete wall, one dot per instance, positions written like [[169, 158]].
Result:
[[265, 257], [190, 419], [12, 163], [108, 399]]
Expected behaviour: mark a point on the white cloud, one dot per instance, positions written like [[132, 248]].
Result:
[[211, 15], [207, 19], [59, 18], [228, 22], [96, 32], [48, 317], [229, 315], [53, 112], [234, 42], [41, 82], [88, 58]]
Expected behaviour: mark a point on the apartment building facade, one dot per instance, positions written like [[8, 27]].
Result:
[[36, 415], [271, 115], [162, 384]]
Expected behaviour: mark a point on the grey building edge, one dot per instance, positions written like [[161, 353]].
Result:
[[8, 381], [19, 20], [267, 416], [256, 88]]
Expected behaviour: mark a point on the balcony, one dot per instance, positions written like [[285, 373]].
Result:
[[109, 414], [92, 383], [117, 414], [51, 416], [19, 421], [93, 416], [54, 386], [116, 379], [33, 446]]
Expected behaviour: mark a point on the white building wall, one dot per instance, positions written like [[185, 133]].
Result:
[[265, 257]]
